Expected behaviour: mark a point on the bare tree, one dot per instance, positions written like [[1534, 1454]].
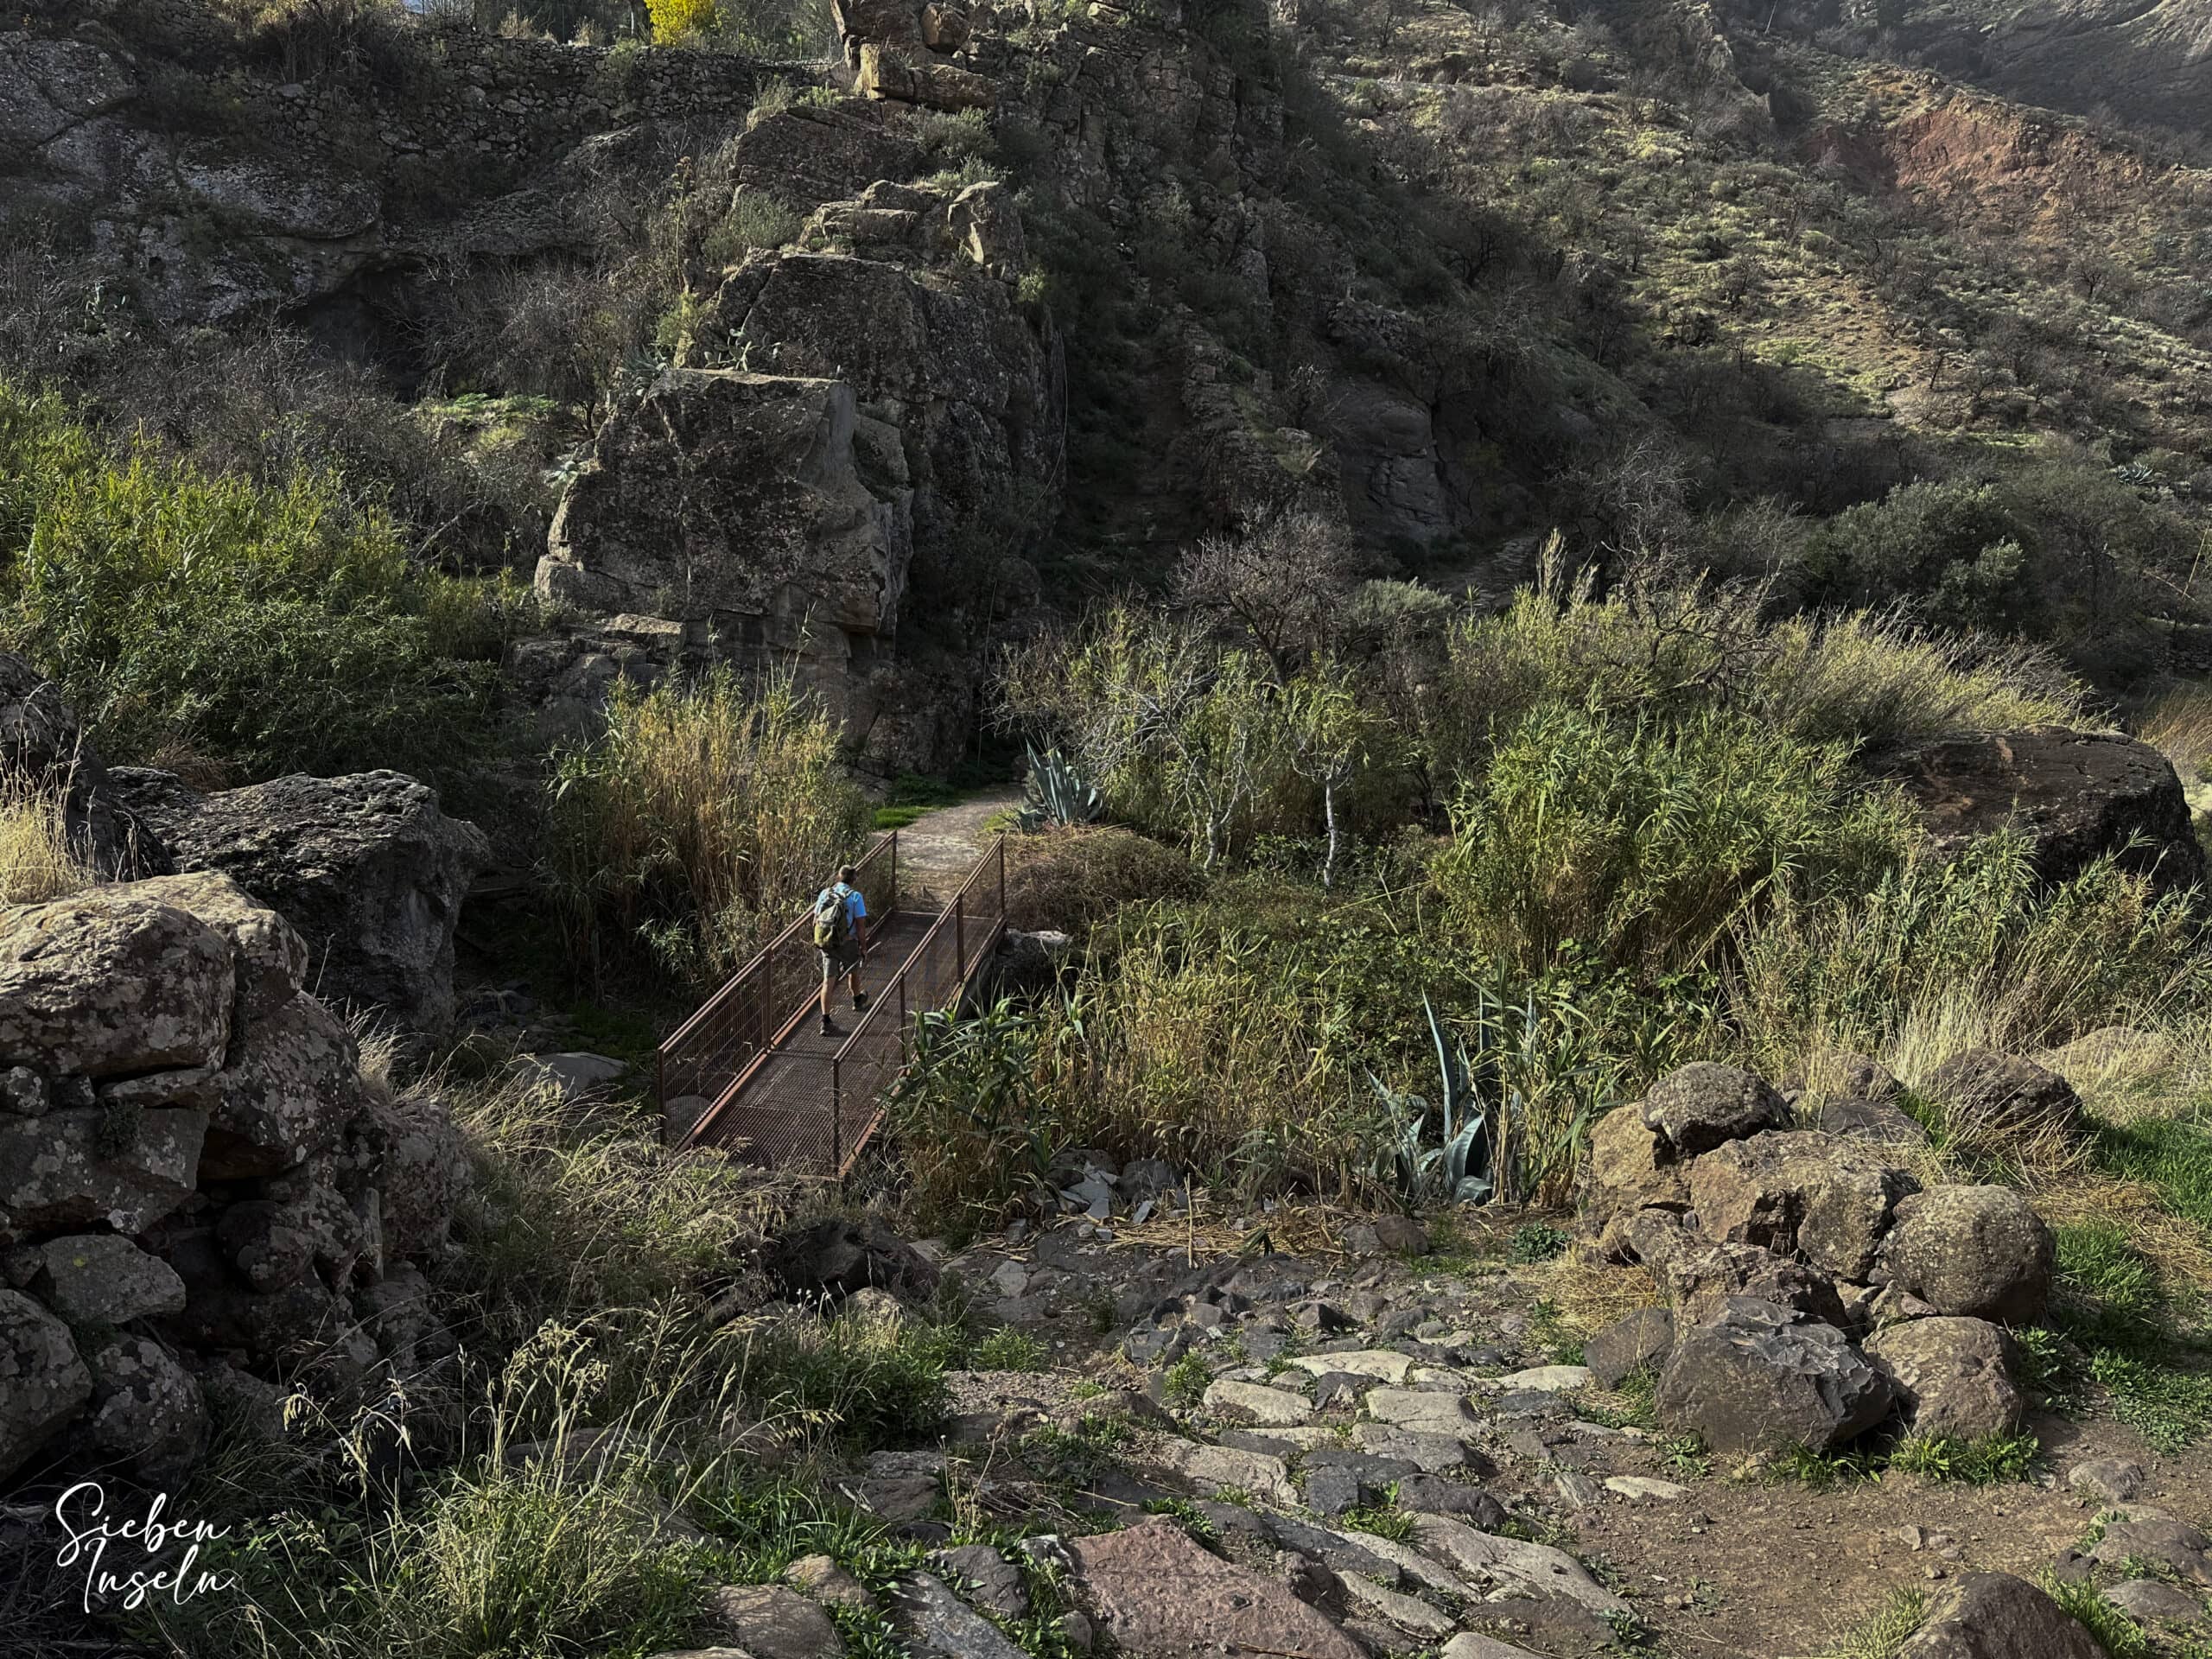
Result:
[[1283, 582]]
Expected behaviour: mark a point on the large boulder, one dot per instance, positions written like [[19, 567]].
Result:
[[1629, 1170], [1800, 1192], [290, 1092], [1635, 1342], [110, 982], [836, 1258], [43, 1383], [1705, 1105], [2076, 796], [1156, 1593], [1979, 1251], [425, 1172], [1953, 1376], [365, 867], [43, 746], [1996, 1615], [1760, 1377], [1989, 1093], [267, 953]]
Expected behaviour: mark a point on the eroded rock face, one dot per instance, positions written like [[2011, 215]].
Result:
[[1760, 1377], [366, 867], [1979, 1251], [2075, 795], [728, 492]]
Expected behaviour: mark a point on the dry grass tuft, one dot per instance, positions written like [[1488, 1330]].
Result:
[[2179, 726], [36, 862], [1592, 1295]]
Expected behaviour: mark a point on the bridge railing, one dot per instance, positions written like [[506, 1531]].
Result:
[[742, 1021], [813, 1112]]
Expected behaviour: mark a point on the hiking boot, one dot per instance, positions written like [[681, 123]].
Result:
[[860, 998], [829, 1029]]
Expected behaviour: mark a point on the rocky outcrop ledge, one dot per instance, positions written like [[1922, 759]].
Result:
[[199, 1190]]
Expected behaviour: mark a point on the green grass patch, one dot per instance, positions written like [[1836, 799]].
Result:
[[1882, 1632], [2120, 1636], [1991, 1460], [1009, 1350]]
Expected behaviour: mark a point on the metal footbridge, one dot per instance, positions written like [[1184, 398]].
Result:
[[767, 1084]]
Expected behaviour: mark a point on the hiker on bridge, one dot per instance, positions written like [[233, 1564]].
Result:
[[840, 934]]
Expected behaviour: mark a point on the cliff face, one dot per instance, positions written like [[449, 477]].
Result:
[[220, 190], [2148, 64]]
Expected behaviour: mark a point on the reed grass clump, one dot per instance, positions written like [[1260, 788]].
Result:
[[698, 821]]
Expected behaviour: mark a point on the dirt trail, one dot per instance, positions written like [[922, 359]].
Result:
[[938, 849]]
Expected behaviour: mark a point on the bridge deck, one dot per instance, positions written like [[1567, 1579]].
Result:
[[806, 1101]]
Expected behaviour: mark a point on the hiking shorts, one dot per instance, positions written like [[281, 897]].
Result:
[[840, 959]]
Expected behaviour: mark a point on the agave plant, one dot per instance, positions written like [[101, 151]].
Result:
[[1459, 1167], [1058, 793]]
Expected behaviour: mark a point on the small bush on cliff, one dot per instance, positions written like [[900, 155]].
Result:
[[694, 825], [273, 627]]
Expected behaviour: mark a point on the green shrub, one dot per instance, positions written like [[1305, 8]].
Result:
[[861, 1381], [1666, 652], [1647, 843], [1944, 954], [1009, 1350], [1072, 877], [2120, 1636], [1881, 1633], [270, 628], [706, 813]]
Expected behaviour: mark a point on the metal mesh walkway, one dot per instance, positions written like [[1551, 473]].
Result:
[[769, 1085]]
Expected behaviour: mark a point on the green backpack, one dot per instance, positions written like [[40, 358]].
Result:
[[830, 923]]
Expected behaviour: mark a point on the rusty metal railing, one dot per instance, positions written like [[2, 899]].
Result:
[[812, 1109], [711, 1049]]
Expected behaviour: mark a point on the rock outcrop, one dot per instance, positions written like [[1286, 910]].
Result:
[[192, 1171], [366, 870], [1777, 1246], [2076, 796], [848, 417]]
